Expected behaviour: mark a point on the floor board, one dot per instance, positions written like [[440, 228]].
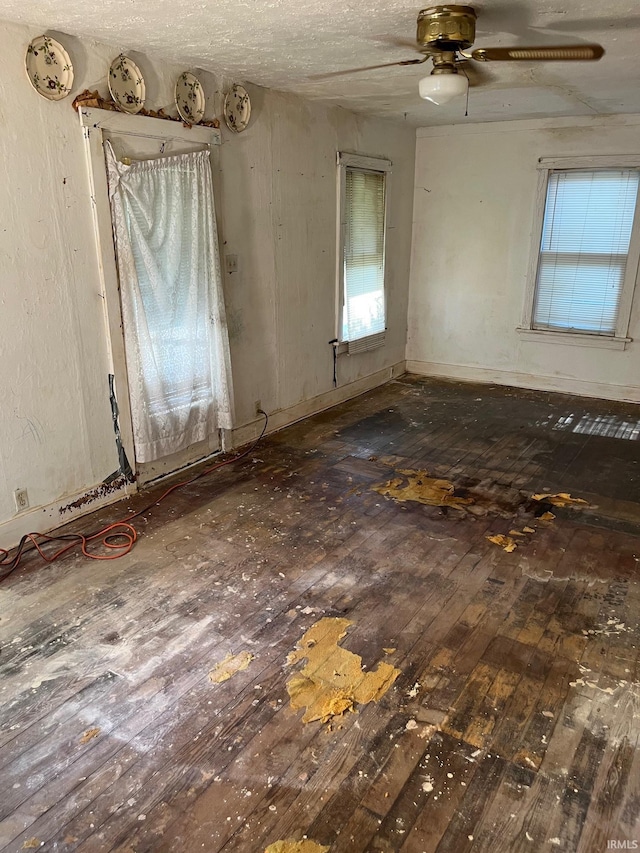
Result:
[[514, 724]]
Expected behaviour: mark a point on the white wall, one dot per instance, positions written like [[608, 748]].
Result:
[[276, 190], [278, 203], [475, 189]]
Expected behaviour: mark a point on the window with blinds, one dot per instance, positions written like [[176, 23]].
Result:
[[363, 311], [586, 232]]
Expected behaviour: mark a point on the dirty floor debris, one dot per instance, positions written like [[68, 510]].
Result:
[[512, 726], [418, 486], [507, 543], [332, 680], [89, 735], [304, 846], [228, 667], [560, 499]]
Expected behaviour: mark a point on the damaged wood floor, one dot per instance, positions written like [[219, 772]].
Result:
[[145, 702]]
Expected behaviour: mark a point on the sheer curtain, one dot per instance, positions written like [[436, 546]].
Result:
[[175, 330]]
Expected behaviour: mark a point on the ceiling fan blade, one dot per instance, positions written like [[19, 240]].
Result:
[[563, 53], [367, 68], [396, 41]]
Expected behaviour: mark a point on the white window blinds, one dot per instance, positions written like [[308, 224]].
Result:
[[583, 252], [364, 300]]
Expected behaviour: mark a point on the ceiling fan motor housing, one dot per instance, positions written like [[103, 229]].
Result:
[[448, 28]]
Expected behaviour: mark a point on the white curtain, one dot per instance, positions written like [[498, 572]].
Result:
[[175, 331]]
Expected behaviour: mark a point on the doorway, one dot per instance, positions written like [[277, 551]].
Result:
[[142, 142]]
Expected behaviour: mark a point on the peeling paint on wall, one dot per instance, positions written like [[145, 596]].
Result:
[[109, 486]]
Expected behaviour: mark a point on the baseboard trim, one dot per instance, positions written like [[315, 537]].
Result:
[[45, 518], [42, 519], [535, 382], [282, 418]]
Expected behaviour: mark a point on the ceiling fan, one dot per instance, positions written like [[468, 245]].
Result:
[[445, 32]]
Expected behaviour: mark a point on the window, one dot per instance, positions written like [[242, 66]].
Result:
[[363, 187], [585, 256]]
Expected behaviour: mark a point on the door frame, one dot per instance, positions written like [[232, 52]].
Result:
[[94, 123]]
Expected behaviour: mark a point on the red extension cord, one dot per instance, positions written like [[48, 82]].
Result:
[[122, 531]]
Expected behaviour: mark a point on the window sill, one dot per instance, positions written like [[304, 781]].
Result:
[[576, 339], [362, 344]]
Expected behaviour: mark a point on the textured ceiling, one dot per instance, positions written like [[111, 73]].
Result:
[[281, 43]]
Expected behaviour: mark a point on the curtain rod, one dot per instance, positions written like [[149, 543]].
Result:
[[93, 118], [155, 136]]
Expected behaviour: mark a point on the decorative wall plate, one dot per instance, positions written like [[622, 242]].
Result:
[[237, 109], [190, 99], [126, 84], [49, 68]]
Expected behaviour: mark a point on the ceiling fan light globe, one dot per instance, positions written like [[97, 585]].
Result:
[[441, 88]]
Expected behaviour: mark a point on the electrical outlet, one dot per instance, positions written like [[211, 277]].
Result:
[[231, 262], [258, 406], [21, 498]]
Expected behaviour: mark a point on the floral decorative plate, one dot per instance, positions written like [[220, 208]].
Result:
[[237, 109], [190, 99], [126, 84], [49, 68]]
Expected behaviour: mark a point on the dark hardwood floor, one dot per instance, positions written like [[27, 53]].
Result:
[[513, 725]]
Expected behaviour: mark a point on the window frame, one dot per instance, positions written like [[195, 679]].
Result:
[[619, 340], [361, 163]]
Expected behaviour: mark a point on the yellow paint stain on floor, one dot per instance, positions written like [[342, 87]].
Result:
[[89, 735], [333, 681], [418, 486], [559, 499], [223, 670], [295, 847], [507, 543]]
